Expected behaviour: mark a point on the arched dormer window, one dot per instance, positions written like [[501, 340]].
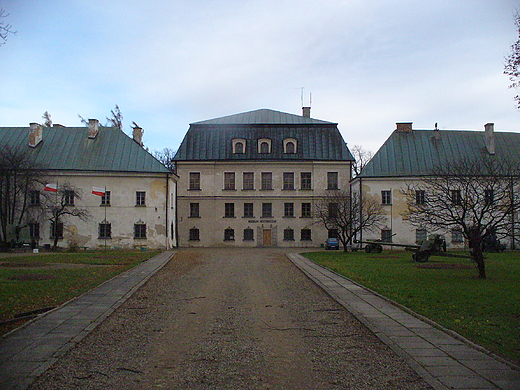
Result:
[[289, 146], [264, 146], [239, 146]]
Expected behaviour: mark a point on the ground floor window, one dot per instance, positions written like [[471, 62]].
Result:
[[57, 230], [248, 234], [386, 235], [229, 234], [288, 234], [306, 235], [456, 236], [420, 236], [194, 234], [34, 230], [105, 230], [140, 230]]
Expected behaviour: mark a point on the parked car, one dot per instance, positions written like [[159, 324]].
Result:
[[331, 243]]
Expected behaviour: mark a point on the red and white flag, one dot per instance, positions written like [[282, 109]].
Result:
[[52, 187], [98, 191]]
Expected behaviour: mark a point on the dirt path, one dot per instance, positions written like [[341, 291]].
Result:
[[230, 319]]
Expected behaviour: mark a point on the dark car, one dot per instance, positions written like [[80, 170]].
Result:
[[331, 243]]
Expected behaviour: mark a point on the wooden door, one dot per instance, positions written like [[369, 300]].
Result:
[[266, 237]]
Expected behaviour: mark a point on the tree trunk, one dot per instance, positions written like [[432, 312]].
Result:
[[478, 257]]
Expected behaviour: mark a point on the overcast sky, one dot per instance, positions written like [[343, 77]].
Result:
[[368, 64]]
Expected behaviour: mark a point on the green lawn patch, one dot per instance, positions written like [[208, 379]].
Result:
[[34, 282], [445, 290]]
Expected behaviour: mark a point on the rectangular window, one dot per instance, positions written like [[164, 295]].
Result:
[[420, 236], [34, 198], [333, 210], [194, 234], [57, 230], [248, 181], [194, 210], [140, 230], [386, 235], [332, 181], [267, 181], [420, 197], [306, 181], [229, 180], [140, 198], [306, 210], [229, 234], [288, 210], [306, 235], [248, 234], [456, 236], [229, 210], [288, 180], [34, 230], [194, 181], [386, 197], [267, 210], [288, 234], [105, 230], [68, 197], [489, 197], [248, 210], [456, 197], [105, 199]]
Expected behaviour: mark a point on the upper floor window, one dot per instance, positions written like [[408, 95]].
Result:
[[289, 146], [288, 180], [105, 199], [264, 145], [306, 181], [306, 210], [420, 197], [239, 146], [489, 197], [34, 198], [194, 181], [386, 197], [248, 210], [194, 210], [332, 181], [248, 181], [229, 210], [456, 197], [229, 180], [267, 180], [140, 198], [69, 198]]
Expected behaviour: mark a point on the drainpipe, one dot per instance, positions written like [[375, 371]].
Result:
[[167, 207]]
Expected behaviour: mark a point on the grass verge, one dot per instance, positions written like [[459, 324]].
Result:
[[32, 282], [445, 290]]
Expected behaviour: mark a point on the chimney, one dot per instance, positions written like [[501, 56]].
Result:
[[93, 128], [404, 127], [306, 112], [436, 133], [489, 133], [35, 135], [138, 134]]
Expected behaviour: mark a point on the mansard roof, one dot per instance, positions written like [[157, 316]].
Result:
[[211, 140]]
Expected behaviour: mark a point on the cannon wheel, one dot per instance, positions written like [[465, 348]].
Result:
[[368, 248], [421, 257], [378, 248]]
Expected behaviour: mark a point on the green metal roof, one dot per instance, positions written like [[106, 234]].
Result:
[[212, 140], [416, 153], [70, 149]]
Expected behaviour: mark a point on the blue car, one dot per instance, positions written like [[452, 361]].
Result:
[[331, 243]]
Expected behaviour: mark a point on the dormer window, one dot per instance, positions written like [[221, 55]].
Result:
[[239, 146], [264, 146], [289, 146]]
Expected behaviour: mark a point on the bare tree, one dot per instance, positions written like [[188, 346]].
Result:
[[362, 158], [512, 65], [472, 197], [48, 120], [348, 213], [5, 28], [116, 120], [166, 156]]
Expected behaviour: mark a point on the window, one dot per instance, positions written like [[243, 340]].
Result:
[[456, 236], [194, 181], [68, 197], [420, 197], [57, 230], [288, 234], [34, 198], [288, 210], [267, 210], [248, 210], [34, 230], [140, 198], [306, 210], [105, 199], [332, 180], [456, 197], [248, 234], [289, 146], [229, 234], [386, 197], [239, 148], [264, 146], [267, 181], [420, 236], [140, 230], [105, 230], [306, 183], [489, 197], [229, 210], [386, 235], [288, 180], [248, 181], [229, 180], [194, 210], [306, 235], [333, 210], [194, 234]]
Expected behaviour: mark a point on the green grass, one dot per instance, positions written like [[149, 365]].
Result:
[[486, 312], [34, 282]]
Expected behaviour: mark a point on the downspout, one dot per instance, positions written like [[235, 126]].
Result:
[[167, 207], [360, 207]]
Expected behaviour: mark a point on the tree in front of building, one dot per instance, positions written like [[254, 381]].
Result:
[[346, 213], [512, 65], [361, 157], [165, 157], [473, 198]]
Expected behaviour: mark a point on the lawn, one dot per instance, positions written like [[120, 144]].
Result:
[[32, 282], [445, 290]]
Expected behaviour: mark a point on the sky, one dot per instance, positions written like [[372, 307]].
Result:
[[363, 64]]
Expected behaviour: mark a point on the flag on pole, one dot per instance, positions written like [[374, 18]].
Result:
[[98, 191], [52, 187]]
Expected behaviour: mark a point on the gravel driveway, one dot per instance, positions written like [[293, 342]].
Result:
[[230, 319]]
